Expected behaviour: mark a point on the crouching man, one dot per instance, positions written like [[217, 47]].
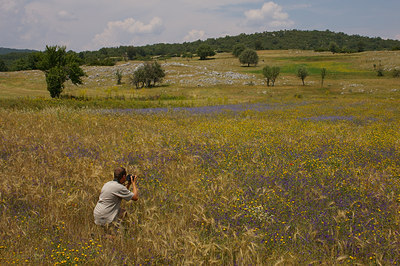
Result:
[[108, 212]]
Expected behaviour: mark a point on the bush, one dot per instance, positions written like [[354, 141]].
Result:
[[380, 72], [118, 76]]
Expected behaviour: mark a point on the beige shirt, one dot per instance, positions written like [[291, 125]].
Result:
[[109, 203]]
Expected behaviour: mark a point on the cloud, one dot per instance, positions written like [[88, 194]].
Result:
[[118, 32], [66, 16], [12, 6], [270, 14], [194, 35], [397, 37]]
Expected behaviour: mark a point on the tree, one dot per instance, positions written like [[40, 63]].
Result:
[[3, 66], [323, 74], [360, 46], [59, 66], [138, 78], [144, 75], [248, 57], [238, 49], [333, 47], [258, 45], [131, 52], [302, 73], [204, 51], [159, 73], [271, 73]]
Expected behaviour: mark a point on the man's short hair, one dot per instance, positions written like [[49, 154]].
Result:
[[119, 172]]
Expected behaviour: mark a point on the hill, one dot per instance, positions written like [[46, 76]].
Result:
[[277, 40], [15, 59], [11, 50]]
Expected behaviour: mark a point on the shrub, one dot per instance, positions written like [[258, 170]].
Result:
[[379, 71], [396, 73], [118, 76]]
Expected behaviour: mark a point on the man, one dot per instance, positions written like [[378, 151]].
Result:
[[108, 211]]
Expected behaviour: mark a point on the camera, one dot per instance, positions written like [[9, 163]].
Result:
[[129, 178]]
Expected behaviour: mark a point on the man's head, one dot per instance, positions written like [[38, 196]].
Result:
[[119, 174]]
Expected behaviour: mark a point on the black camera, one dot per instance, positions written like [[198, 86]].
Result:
[[129, 178]]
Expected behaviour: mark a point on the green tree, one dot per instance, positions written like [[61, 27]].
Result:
[[60, 66], [187, 55], [159, 72], [360, 46], [271, 74], [138, 78], [238, 49], [333, 47], [204, 51], [323, 74], [131, 52], [258, 45], [147, 74], [249, 57], [3, 66], [302, 73]]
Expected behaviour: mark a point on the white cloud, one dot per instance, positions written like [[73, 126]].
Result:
[[194, 35], [397, 36], [270, 14], [123, 31]]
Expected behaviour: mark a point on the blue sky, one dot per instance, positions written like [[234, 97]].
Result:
[[92, 24]]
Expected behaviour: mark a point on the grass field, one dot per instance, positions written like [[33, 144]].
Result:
[[230, 171]]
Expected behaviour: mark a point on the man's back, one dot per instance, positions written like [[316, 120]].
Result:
[[108, 206]]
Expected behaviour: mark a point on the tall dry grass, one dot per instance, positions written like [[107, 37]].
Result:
[[296, 184]]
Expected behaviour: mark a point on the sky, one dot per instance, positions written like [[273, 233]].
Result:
[[83, 25]]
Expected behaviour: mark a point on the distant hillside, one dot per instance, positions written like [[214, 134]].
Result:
[[10, 50], [17, 59], [277, 40]]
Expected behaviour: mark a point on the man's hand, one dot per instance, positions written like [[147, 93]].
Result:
[[134, 189]]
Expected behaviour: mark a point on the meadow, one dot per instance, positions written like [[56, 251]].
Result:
[[230, 171]]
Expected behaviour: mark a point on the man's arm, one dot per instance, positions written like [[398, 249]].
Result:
[[134, 188]]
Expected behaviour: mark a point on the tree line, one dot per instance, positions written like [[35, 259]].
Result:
[[277, 40]]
